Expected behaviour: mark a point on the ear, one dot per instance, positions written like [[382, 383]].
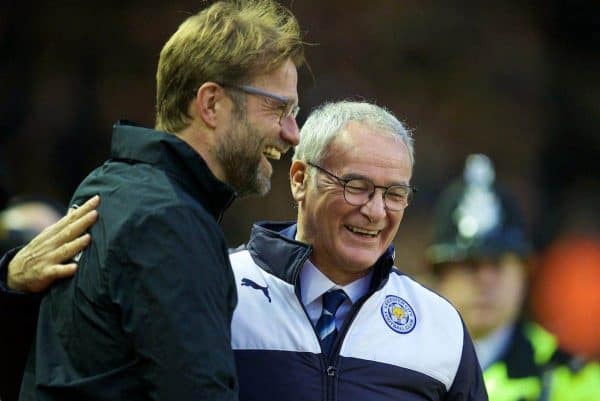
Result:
[[208, 102], [298, 180]]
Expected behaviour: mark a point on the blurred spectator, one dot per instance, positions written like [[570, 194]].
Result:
[[25, 217], [566, 294], [20, 222], [481, 259]]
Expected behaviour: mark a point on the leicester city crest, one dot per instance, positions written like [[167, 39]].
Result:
[[398, 314]]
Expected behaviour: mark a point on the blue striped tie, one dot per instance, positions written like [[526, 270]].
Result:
[[326, 324]]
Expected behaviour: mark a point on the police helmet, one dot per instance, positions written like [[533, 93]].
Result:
[[476, 219]]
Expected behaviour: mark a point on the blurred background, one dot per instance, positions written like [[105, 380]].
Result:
[[515, 80]]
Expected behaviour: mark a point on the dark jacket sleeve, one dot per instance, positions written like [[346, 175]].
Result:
[[176, 293], [18, 317], [468, 384]]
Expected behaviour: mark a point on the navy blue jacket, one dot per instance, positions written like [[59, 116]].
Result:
[[400, 342]]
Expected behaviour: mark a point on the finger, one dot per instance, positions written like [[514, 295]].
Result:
[[62, 271], [68, 250], [47, 244], [76, 212], [75, 229], [56, 228], [72, 215], [90, 204]]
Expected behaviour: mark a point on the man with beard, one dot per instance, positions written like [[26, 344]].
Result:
[[323, 313], [148, 314]]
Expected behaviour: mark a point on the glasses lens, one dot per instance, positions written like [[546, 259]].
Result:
[[357, 192], [397, 198], [289, 110]]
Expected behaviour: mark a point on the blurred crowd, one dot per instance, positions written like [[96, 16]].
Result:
[[514, 80]]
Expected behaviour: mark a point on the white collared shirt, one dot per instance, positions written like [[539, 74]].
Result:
[[490, 348], [313, 284]]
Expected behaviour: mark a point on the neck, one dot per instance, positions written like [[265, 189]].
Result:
[[339, 277]]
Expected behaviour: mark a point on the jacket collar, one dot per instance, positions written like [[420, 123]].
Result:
[[274, 249], [134, 144]]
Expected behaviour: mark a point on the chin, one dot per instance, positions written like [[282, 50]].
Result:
[[259, 184], [263, 187], [486, 324], [263, 182], [359, 263], [364, 255]]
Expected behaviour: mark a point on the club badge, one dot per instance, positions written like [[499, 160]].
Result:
[[398, 314]]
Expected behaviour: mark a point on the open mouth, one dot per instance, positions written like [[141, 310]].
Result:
[[363, 231], [272, 152]]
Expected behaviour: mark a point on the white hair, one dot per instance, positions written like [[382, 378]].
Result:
[[326, 122]]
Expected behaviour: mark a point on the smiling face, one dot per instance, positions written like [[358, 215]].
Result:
[[349, 239], [255, 132]]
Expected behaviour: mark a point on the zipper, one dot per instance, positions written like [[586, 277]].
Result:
[[331, 361], [346, 326], [225, 207], [331, 372]]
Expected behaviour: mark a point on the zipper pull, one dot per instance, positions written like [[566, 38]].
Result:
[[331, 371]]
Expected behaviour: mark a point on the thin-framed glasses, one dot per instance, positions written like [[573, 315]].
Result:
[[288, 106], [358, 191]]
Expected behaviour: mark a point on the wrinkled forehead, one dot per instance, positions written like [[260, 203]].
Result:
[[361, 144]]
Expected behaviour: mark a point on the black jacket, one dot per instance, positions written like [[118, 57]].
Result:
[[148, 314]]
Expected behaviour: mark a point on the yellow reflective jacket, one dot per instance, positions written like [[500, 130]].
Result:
[[533, 368]]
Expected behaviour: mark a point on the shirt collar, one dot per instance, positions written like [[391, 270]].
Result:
[[490, 348], [313, 284]]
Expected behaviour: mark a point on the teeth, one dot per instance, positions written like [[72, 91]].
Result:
[[272, 153], [363, 231]]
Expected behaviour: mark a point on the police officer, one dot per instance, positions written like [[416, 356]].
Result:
[[480, 257]]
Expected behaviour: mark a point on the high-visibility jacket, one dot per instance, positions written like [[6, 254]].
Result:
[[534, 369]]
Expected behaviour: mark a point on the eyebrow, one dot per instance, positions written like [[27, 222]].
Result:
[[357, 176]]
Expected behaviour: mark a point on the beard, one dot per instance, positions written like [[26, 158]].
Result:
[[240, 154]]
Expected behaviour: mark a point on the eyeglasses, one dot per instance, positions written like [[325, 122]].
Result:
[[359, 191], [288, 106]]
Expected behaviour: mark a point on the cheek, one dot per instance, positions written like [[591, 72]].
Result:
[[513, 282], [266, 127], [392, 228], [331, 209], [514, 292], [458, 290]]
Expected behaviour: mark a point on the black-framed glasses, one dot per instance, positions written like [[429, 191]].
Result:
[[288, 106], [359, 191]]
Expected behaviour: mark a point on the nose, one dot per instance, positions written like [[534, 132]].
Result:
[[290, 133], [487, 272], [375, 209]]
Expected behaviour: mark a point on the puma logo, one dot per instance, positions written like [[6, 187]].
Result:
[[249, 283]]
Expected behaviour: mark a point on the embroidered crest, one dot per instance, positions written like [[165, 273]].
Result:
[[398, 314]]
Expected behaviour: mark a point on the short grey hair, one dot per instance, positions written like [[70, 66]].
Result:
[[326, 122]]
